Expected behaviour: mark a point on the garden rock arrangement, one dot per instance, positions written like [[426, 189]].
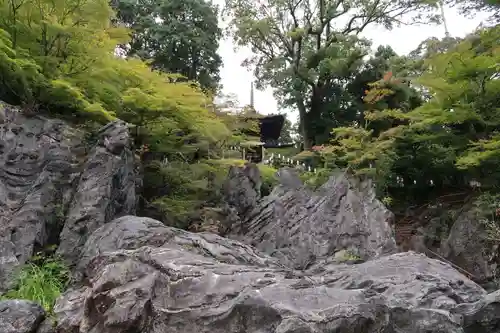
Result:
[[138, 275], [296, 261]]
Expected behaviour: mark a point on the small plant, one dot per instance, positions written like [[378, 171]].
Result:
[[269, 180], [347, 255], [41, 280], [350, 256], [387, 200]]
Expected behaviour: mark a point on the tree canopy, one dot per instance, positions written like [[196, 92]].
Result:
[[306, 50], [428, 119], [176, 36], [60, 56], [449, 140]]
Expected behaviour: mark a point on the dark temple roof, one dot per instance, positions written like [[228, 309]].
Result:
[[270, 127]]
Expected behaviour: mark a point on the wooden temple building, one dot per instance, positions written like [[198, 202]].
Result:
[[269, 133]]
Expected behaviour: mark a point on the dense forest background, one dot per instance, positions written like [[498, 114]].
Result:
[[418, 124]]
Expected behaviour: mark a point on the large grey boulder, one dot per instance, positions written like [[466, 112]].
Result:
[[50, 178], [242, 187], [38, 164], [304, 228], [141, 276]]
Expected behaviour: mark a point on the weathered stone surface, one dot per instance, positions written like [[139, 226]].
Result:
[[18, 316], [38, 163], [452, 227], [241, 194], [141, 276], [131, 232], [106, 189], [303, 228], [468, 246], [47, 180], [242, 187], [482, 316], [47, 326]]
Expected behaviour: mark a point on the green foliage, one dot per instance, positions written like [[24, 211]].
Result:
[[314, 180], [183, 38], [472, 7], [63, 62], [287, 134], [181, 190], [306, 53], [42, 280], [269, 179], [450, 139], [347, 256]]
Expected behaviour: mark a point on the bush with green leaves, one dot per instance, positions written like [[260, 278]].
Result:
[[178, 190], [314, 180]]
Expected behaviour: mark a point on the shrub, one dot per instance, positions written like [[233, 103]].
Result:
[[178, 190], [487, 207]]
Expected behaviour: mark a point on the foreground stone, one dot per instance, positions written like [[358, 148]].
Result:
[[51, 180], [19, 316], [138, 275]]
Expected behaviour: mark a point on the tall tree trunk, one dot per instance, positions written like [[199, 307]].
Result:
[[304, 129], [314, 126]]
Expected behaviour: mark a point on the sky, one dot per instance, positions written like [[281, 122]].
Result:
[[236, 79]]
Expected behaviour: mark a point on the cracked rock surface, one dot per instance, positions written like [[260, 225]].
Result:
[[304, 228], [141, 276], [19, 316], [57, 189]]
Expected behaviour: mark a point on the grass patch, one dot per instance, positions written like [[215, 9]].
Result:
[[283, 151], [42, 280]]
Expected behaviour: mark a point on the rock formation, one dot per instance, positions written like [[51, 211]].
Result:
[[53, 189], [453, 228], [295, 261], [141, 276], [20, 316], [303, 228], [468, 246]]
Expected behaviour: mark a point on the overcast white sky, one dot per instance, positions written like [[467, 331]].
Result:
[[236, 79]]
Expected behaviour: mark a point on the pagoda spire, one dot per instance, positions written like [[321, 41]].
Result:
[[252, 97]]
